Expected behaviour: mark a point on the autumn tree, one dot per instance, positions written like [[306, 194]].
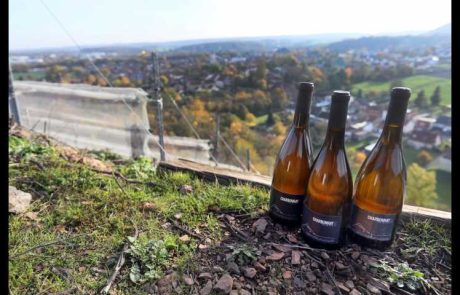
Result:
[[421, 186], [424, 158], [279, 99]]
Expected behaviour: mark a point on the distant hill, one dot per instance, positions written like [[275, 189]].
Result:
[[445, 30], [399, 42]]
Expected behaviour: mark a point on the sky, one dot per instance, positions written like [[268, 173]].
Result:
[[96, 22]]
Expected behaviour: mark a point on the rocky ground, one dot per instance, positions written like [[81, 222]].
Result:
[[260, 257]]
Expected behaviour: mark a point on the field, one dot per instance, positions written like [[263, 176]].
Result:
[[33, 75], [416, 83]]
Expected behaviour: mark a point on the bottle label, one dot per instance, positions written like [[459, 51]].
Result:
[[372, 225], [320, 227], [284, 205]]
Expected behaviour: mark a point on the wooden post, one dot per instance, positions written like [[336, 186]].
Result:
[[156, 87], [248, 158], [216, 148], [12, 104]]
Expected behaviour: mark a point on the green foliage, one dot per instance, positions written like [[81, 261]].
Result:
[[25, 150], [243, 255], [148, 259], [421, 190], [421, 100], [436, 97], [402, 275], [105, 155], [138, 169]]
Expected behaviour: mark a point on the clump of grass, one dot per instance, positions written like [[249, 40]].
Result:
[[77, 200], [424, 238]]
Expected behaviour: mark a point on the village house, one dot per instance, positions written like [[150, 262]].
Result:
[[424, 138], [442, 162]]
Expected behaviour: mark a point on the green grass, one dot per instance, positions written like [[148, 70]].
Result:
[[94, 217], [33, 75], [444, 189], [416, 83]]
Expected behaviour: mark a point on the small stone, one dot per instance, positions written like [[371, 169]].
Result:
[[342, 287], [206, 290], [275, 256], [350, 284], [148, 206], [232, 267], [259, 266], [186, 189], [32, 216], [178, 216], [188, 280], [249, 272], [217, 268], [292, 238], [295, 257], [287, 275], [355, 255], [234, 292], [237, 285], [165, 284], [355, 292], [224, 284], [267, 236], [18, 201], [326, 289], [202, 247], [81, 268], [208, 241], [260, 225], [373, 289], [281, 248], [324, 255], [205, 275], [184, 238], [314, 264], [310, 276], [244, 292], [340, 266], [299, 283]]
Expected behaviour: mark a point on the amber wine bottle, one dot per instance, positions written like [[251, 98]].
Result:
[[326, 208], [381, 182], [292, 166]]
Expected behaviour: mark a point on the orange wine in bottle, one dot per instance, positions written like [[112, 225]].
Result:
[[292, 166], [381, 181], [326, 208]]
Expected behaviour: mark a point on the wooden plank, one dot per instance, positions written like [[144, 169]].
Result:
[[226, 176]]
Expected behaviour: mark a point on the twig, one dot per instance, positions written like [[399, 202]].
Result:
[[332, 280], [133, 181], [39, 165], [46, 244], [120, 263], [119, 185], [176, 225], [236, 232]]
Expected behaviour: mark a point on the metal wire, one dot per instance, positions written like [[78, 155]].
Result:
[[97, 68]]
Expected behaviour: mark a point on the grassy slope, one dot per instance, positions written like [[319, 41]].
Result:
[[416, 83], [79, 200]]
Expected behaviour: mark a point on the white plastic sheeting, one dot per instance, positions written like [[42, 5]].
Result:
[[99, 118]]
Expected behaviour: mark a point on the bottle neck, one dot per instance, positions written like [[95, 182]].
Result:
[[335, 138], [391, 134], [302, 108]]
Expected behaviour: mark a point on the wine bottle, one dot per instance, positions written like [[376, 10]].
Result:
[[326, 208], [380, 185], [292, 166]]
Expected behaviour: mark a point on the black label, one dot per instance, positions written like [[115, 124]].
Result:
[[371, 225], [285, 205], [320, 227]]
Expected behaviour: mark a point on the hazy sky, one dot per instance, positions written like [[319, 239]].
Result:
[[125, 21]]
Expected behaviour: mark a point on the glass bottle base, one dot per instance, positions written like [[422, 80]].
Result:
[[369, 243], [316, 244], [286, 222]]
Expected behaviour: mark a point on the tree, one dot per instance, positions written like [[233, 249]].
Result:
[[421, 101], [279, 99], [436, 97], [424, 158], [421, 188], [270, 120]]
